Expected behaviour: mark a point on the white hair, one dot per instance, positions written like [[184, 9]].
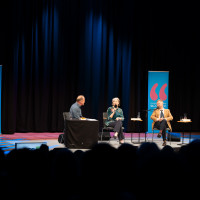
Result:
[[116, 98]]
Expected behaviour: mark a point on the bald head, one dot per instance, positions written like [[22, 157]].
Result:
[[80, 100]]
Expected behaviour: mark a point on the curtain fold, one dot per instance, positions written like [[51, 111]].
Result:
[[55, 50]]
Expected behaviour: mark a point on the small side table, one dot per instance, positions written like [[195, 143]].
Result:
[[184, 123], [138, 120]]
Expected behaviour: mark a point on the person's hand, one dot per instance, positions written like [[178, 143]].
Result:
[[118, 118], [113, 110]]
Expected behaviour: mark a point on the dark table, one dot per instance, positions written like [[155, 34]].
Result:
[[138, 121], [184, 123], [80, 134]]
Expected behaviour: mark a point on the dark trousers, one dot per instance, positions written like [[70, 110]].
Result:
[[162, 126], [117, 125]]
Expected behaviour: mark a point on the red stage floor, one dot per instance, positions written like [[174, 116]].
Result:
[[32, 136]]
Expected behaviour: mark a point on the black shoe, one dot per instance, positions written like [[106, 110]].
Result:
[[164, 143], [159, 135]]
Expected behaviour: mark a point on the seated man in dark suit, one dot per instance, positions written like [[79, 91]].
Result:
[[161, 120]]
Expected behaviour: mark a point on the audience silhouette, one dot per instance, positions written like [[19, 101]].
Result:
[[126, 172]]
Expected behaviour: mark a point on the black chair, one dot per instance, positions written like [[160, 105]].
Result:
[[167, 129], [106, 128], [66, 116]]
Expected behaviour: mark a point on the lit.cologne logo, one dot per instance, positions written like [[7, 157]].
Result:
[[162, 94]]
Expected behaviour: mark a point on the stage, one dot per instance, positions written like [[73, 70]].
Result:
[[7, 141]]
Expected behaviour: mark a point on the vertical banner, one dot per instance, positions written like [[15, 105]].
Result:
[[158, 82], [0, 94]]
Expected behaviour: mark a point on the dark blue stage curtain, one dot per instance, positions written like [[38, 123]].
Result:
[[54, 50], [61, 49], [105, 67]]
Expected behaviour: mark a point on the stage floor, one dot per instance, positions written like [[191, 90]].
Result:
[[7, 142]]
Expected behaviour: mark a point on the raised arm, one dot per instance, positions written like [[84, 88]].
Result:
[[110, 113]]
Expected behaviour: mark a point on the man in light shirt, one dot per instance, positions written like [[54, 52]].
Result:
[[161, 120]]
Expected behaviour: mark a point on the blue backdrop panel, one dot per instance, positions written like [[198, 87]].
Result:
[[158, 82], [0, 94]]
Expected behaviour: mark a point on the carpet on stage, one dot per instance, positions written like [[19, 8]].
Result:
[[32, 136]]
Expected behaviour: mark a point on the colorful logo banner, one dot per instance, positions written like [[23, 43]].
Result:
[[158, 82]]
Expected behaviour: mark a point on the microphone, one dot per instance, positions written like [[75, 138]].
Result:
[[156, 108]]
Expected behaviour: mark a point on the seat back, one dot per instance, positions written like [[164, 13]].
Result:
[[67, 115], [105, 116]]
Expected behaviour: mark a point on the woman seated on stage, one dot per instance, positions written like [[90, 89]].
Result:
[[115, 118]]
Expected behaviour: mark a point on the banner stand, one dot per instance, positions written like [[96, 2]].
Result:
[[158, 82]]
